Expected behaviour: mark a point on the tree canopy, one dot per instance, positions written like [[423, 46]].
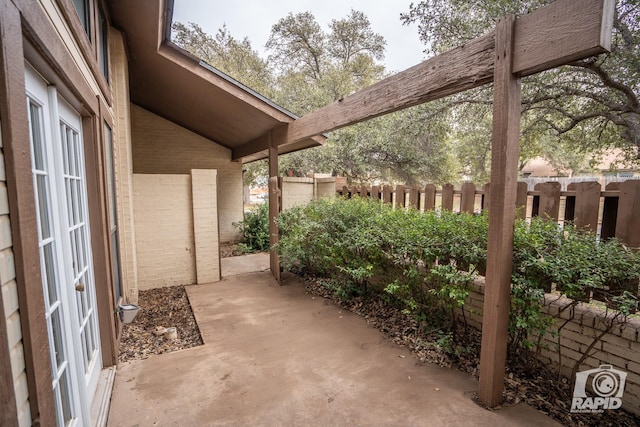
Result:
[[571, 114]]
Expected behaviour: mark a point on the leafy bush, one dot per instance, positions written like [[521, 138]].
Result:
[[424, 261], [255, 229]]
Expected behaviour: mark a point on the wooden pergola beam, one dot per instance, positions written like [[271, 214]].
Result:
[[557, 34]]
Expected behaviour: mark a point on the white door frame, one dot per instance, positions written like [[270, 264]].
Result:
[[61, 204]]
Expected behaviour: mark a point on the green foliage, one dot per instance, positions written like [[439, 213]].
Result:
[[255, 229], [570, 114], [425, 261]]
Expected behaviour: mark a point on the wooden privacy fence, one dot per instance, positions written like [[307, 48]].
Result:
[[610, 212]]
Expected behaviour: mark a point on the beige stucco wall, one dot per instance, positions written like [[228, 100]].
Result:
[[164, 230], [123, 166], [162, 147], [10, 302]]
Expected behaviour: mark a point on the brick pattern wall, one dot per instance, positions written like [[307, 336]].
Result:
[[205, 225], [296, 192], [325, 187], [300, 191], [10, 301], [621, 348], [164, 230], [123, 166], [162, 147]]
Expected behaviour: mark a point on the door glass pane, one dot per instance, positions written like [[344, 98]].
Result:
[[43, 207], [56, 329], [35, 120], [50, 273], [67, 414]]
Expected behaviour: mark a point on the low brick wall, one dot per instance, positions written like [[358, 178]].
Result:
[[620, 348], [300, 191]]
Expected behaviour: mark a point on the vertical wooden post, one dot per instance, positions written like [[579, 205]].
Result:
[[429, 197], [521, 200], [400, 196], [586, 205], [414, 197], [468, 197], [549, 200], [447, 197], [387, 194], [375, 192], [274, 206], [628, 222], [504, 174]]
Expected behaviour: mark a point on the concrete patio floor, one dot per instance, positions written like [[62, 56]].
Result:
[[275, 356]]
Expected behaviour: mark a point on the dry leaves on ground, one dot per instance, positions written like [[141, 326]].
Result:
[[161, 307]]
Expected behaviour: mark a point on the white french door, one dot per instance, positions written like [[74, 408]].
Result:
[[65, 252]]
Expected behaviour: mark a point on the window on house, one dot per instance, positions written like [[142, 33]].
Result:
[[103, 44], [84, 12], [113, 218]]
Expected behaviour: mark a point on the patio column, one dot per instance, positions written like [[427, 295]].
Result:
[[502, 208], [274, 203]]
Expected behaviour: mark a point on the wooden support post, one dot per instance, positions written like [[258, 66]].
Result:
[[274, 206], [504, 174]]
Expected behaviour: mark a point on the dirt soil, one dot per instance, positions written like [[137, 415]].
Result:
[[163, 308]]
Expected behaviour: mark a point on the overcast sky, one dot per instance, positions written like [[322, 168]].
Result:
[[254, 19]]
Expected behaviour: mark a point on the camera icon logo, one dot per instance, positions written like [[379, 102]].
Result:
[[598, 389]]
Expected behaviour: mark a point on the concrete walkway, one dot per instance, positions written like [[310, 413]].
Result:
[[275, 356]]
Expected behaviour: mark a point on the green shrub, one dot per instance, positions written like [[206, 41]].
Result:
[[255, 229], [424, 261]]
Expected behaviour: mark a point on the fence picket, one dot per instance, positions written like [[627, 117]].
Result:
[[429, 197], [583, 208], [547, 204], [468, 197], [447, 197], [628, 222]]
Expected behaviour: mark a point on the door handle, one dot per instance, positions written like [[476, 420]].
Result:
[[80, 287]]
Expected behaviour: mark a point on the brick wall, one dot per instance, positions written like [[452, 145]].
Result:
[[10, 302], [205, 225], [621, 348], [176, 228], [162, 147], [123, 166], [300, 191], [296, 191], [164, 230]]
